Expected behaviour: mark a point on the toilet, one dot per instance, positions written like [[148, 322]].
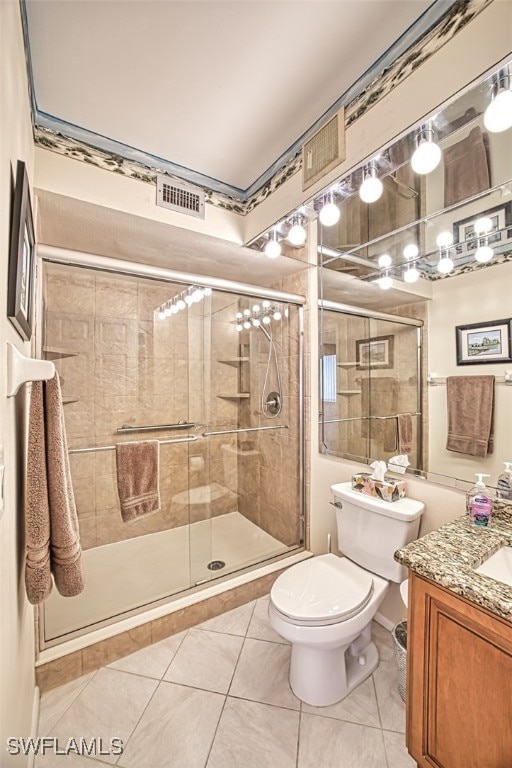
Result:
[[324, 606]]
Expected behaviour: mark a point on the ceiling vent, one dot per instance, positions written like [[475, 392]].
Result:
[[324, 151], [179, 197]]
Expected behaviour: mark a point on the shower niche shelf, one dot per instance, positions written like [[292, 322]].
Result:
[[349, 392], [347, 364], [69, 400], [57, 353], [235, 396], [233, 360]]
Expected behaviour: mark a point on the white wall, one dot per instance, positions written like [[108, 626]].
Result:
[[17, 680], [474, 297]]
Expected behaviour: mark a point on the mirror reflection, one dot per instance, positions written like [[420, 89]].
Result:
[[425, 232]]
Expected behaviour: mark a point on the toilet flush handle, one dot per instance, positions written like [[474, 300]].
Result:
[[336, 504]]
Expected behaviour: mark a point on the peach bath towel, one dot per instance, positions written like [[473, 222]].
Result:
[[470, 401], [51, 522], [138, 478]]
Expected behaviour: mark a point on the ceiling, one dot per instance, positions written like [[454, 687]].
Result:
[[224, 89]]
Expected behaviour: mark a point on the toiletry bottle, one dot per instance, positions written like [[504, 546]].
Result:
[[504, 490], [479, 503]]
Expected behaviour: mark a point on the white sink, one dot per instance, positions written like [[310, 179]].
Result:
[[498, 566]]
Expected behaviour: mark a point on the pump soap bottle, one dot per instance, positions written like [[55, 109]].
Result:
[[504, 490], [479, 503]]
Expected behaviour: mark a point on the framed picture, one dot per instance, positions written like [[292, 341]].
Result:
[[489, 342], [21, 257], [376, 352], [501, 231]]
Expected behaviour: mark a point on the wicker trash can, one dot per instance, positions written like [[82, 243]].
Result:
[[399, 633]]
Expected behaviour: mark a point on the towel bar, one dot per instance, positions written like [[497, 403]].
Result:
[[188, 439], [22, 369], [436, 381]]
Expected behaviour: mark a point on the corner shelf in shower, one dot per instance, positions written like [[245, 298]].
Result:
[[68, 400], [349, 392], [57, 353], [235, 396], [234, 360], [347, 364]]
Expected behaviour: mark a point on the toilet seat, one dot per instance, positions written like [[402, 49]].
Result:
[[321, 591]]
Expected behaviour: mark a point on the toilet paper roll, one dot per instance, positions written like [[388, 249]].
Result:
[[196, 463]]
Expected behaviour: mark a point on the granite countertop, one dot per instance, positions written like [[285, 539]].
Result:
[[449, 555]]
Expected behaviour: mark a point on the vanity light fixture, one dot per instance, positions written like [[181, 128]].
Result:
[[191, 295], [258, 315], [384, 261], [372, 187], [498, 115], [273, 246], [412, 273], [482, 227], [297, 233], [329, 213], [427, 154], [444, 241]]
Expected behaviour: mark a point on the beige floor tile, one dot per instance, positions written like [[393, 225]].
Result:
[[332, 744], [391, 706], [253, 735], [109, 706], [360, 706], [176, 730], [234, 622], [55, 702], [50, 760], [153, 660], [262, 674], [205, 660], [398, 756], [259, 628], [384, 642]]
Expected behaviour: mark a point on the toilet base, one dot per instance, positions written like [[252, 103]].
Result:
[[323, 677]]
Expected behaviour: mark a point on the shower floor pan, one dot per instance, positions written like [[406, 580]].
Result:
[[131, 574]]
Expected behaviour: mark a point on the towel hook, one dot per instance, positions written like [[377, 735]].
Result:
[[21, 369]]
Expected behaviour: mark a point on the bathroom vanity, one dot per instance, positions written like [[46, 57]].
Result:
[[459, 663]]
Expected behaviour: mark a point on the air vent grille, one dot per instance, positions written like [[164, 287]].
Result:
[[324, 151], [179, 197]]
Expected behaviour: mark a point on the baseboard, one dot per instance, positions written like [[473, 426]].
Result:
[[383, 621], [34, 724]]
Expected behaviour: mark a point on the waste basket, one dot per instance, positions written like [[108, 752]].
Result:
[[399, 633]]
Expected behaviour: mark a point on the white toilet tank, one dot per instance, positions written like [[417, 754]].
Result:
[[371, 530]]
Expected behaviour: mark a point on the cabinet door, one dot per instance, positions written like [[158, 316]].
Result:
[[459, 707]]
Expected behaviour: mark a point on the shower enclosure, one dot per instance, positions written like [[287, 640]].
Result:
[[213, 375], [371, 393]]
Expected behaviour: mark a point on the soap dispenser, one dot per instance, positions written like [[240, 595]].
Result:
[[504, 489], [479, 503]]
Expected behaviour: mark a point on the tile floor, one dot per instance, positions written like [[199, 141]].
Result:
[[217, 696]]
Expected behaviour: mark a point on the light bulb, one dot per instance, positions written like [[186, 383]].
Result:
[[385, 260], [167, 311], [371, 188], [197, 296], [444, 239], [174, 309], [256, 308], [267, 320], [329, 214], [256, 322], [238, 315], [239, 327], [161, 315], [273, 247], [247, 313], [498, 115], [385, 282], [180, 304], [482, 225], [411, 275], [277, 315], [265, 303], [445, 265], [188, 299], [247, 325], [411, 251], [207, 291], [484, 253], [427, 154], [297, 233]]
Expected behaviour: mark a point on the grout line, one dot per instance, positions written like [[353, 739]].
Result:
[[264, 703], [216, 729], [235, 666], [175, 652], [298, 737], [377, 698], [125, 743], [71, 703]]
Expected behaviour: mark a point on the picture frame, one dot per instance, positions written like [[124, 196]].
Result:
[[488, 342], [501, 217], [374, 352], [20, 291]]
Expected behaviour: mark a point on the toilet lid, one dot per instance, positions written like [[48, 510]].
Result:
[[322, 590]]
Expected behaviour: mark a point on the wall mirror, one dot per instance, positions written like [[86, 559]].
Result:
[[423, 247]]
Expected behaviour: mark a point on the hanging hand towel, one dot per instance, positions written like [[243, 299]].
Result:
[[51, 522], [138, 478], [470, 401], [405, 428]]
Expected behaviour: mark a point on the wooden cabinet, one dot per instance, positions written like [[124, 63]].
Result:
[[459, 681]]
